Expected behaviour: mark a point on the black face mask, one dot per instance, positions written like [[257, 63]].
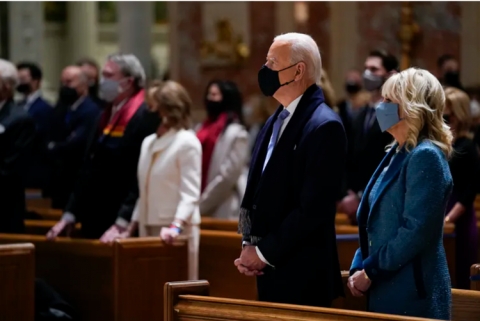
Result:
[[268, 80], [24, 88], [446, 118], [452, 78], [214, 108], [68, 95], [93, 90], [352, 88]]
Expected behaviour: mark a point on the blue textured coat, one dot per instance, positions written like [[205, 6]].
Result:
[[401, 235]]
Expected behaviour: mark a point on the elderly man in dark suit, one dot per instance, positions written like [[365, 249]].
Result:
[[17, 131], [107, 188], [287, 216], [30, 78], [74, 119]]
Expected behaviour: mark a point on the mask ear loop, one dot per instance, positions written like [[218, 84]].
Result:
[[296, 73]]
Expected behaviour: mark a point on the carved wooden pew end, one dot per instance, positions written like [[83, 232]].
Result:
[[17, 282]]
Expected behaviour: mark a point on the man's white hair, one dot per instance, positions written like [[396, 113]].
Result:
[[8, 73], [130, 66], [304, 48]]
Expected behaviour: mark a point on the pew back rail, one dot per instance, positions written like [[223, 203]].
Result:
[[190, 301]]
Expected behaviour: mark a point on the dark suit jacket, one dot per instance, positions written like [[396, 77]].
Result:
[[292, 204], [42, 113], [366, 151], [107, 187], [17, 131], [70, 136]]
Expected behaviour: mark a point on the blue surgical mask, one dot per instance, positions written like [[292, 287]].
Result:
[[387, 115]]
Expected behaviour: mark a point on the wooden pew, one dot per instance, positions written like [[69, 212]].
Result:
[[209, 223], [219, 249], [190, 301], [46, 213], [41, 227], [34, 198], [475, 277], [122, 281], [17, 282]]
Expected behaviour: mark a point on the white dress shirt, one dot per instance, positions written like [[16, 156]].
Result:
[[291, 108], [116, 108]]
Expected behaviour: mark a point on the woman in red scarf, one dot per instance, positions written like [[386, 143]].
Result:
[[224, 142]]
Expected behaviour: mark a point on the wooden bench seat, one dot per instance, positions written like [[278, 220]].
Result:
[[191, 301], [122, 281], [17, 282]]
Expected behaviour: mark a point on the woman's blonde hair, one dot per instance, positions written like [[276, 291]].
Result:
[[327, 88], [171, 100], [422, 100], [459, 103]]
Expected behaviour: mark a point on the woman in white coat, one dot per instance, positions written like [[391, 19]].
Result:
[[169, 174], [224, 142]]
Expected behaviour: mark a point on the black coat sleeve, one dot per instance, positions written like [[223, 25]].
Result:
[[20, 136], [144, 125]]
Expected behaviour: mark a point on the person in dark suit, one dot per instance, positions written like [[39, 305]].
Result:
[[30, 77], [107, 188], [75, 116], [91, 70], [287, 216], [366, 148], [17, 132]]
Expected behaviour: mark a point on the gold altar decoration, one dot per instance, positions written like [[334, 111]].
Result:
[[409, 31], [227, 50]]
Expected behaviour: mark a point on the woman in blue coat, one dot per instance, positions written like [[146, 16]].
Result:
[[401, 263]]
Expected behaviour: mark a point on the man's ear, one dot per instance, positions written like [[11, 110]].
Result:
[[300, 71]]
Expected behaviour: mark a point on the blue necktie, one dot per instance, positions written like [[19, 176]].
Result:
[[276, 132]]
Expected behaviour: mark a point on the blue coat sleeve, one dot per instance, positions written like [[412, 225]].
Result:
[[357, 263], [428, 186]]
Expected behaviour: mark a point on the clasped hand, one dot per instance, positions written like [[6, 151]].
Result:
[[249, 263], [359, 283]]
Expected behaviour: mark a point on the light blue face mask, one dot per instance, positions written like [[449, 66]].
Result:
[[387, 115]]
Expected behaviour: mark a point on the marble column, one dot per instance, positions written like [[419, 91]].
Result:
[[343, 42], [470, 43], [135, 31], [284, 17], [82, 31], [26, 29], [173, 40]]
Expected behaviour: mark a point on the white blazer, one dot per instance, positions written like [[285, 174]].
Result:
[[227, 175], [169, 179]]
